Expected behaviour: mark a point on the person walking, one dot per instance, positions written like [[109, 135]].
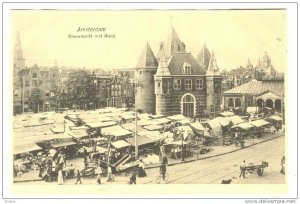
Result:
[[243, 169], [282, 165], [109, 174], [60, 179], [133, 177], [78, 177], [98, 179], [163, 171]]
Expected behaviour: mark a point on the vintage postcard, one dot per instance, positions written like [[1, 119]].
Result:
[[159, 102]]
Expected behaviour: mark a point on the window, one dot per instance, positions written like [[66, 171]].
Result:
[[188, 84], [34, 75], [27, 93], [41, 83], [27, 83], [199, 84], [34, 83], [47, 93], [186, 69], [53, 76], [141, 72], [177, 84]]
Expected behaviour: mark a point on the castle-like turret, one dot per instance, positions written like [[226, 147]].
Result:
[[203, 57], [163, 86], [144, 72], [213, 84]]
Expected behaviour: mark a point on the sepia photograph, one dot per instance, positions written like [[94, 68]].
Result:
[[149, 99]]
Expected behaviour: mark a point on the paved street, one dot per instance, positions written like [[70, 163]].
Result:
[[212, 170]]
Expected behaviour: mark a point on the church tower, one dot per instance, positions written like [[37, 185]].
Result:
[[163, 86], [203, 57], [144, 76], [19, 61], [213, 84]]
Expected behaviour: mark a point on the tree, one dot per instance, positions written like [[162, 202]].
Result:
[[35, 99], [55, 94], [81, 88]]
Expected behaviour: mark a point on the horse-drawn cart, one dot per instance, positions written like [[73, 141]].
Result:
[[259, 169]]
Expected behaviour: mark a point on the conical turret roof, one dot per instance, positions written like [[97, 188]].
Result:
[[163, 69], [172, 45], [203, 57], [147, 58], [213, 68]]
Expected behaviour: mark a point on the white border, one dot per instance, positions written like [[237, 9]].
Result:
[[291, 79]]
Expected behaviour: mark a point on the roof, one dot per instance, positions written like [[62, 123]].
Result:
[[177, 117], [101, 124], [203, 57], [213, 68], [120, 144], [244, 126], [154, 127], [170, 42], [255, 87], [259, 123], [153, 135], [116, 131], [22, 148], [160, 121], [276, 117], [235, 119], [147, 58], [162, 69], [78, 133], [269, 95], [141, 140], [177, 61]]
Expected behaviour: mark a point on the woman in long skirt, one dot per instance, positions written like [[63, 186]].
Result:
[[60, 178], [142, 172]]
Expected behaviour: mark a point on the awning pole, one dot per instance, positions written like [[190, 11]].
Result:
[[135, 135]]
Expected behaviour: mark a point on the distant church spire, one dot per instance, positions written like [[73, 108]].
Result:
[[19, 61], [249, 65]]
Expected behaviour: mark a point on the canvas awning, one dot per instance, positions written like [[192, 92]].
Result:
[[244, 126], [160, 121], [226, 114], [197, 128], [259, 123], [100, 124], [186, 130], [25, 147], [62, 144], [268, 95], [156, 116], [236, 119], [177, 117], [144, 116], [153, 135], [141, 140], [276, 117], [144, 122], [120, 144], [79, 133], [116, 131], [153, 127]]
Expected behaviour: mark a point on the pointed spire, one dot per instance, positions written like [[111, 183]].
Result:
[[163, 69], [249, 65], [173, 44], [203, 57], [213, 68], [147, 58]]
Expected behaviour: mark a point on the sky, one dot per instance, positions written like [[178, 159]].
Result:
[[233, 35]]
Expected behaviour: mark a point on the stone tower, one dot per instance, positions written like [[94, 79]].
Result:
[[163, 86], [213, 84], [19, 61], [144, 76], [203, 57]]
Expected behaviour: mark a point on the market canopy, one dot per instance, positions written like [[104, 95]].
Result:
[[236, 119], [25, 147], [269, 95], [185, 130], [259, 123], [197, 128], [62, 143], [141, 140], [157, 116], [222, 121], [144, 122], [154, 127], [131, 127], [276, 117], [116, 131], [144, 116], [100, 124], [160, 121], [226, 114], [177, 117], [244, 126], [153, 135], [120, 144], [79, 133]]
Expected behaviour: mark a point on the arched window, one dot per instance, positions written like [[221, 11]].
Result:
[[260, 103], [269, 103], [230, 103], [188, 104], [278, 105], [238, 103]]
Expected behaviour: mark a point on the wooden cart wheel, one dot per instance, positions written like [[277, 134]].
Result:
[[250, 168], [260, 171]]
